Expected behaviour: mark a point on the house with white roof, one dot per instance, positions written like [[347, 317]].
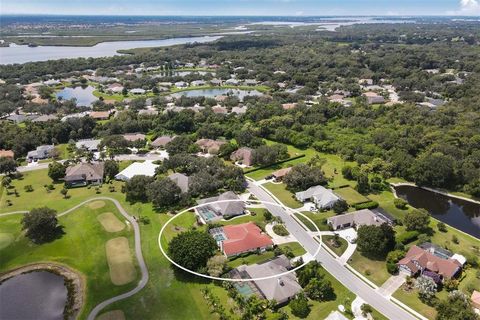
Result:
[[146, 168], [324, 198]]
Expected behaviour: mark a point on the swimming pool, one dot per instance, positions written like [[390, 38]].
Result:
[[207, 213]]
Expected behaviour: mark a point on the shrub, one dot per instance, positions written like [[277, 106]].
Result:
[[28, 188], [442, 227], [407, 236], [280, 230], [340, 206], [400, 203], [366, 205]]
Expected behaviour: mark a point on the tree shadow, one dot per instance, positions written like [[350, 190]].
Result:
[[186, 277], [55, 234]]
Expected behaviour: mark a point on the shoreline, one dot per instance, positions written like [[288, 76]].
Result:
[[73, 281]]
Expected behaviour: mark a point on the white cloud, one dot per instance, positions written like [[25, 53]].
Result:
[[468, 8]]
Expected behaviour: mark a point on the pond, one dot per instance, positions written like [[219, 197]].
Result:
[[84, 95], [461, 214], [212, 93], [23, 53], [34, 295]]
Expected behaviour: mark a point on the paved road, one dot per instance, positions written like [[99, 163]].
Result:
[[334, 267], [138, 252]]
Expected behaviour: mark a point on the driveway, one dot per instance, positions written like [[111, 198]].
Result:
[[392, 284], [279, 239]]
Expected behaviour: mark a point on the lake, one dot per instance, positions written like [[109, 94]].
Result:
[[84, 95], [461, 214], [34, 295], [23, 53], [212, 93]]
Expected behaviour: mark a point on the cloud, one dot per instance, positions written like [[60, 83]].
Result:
[[468, 8]]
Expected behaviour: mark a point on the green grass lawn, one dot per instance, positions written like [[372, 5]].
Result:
[[253, 258], [411, 299], [285, 196], [375, 271], [318, 218], [350, 195], [82, 248], [338, 250]]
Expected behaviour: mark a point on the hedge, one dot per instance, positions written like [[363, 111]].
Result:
[[408, 236], [366, 205]]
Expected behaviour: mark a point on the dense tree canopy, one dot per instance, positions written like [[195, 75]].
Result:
[[41, 225], [192, 249]]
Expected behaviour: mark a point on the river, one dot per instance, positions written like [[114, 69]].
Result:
[[35, 295], [23, 53], [461, 214]]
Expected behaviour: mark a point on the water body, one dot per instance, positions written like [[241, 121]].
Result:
[[23, 53], [461, 214], [35, 295], [212, 93], [83, 95]]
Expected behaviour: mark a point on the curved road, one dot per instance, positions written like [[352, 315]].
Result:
[[138, 252]]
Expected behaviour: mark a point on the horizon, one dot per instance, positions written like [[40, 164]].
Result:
[[195, 8]]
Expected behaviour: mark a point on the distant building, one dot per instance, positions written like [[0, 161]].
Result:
[[181, 180], [239, 110], [84, 173], [250, 82], [364, 217], [241, 238], [45, 118], [132, 137], [42, 152], [280, 174], [161, 142], [137, 91], [289, 106], [243, 155], [100, 115], [373, 97], [198, 83], [115, 88], [146, 168], [6, 153], [281, 289], [324, 198], [89, 144], [181, 84], [219, 109], [232, 82], [210, 146], [19, 118], [475, 298]]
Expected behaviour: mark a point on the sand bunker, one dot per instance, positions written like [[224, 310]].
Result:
[[120, 263], [112, 315], [110, 222], [96, 204]]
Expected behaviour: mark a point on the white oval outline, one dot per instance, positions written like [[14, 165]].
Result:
[[231, 279]]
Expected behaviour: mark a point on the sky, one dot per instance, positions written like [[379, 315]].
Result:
[[242, 7]]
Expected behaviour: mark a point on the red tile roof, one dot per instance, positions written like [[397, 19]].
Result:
[[243, 238], [444, 267]]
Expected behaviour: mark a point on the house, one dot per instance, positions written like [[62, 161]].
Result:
[[420, 261], [250, 82], [198, 83], [161, 142], [475, 299], [232, 82], [146, 168], [84, 173], [373, 97], [241, 238], [89, 144], [289, 106], [226, 205], [115, 88], [51, 82], [280, 289], [137, 91], [324, 198], [367, 82], [210, 146], [216, 82], [100, 115], [42, 152], [219, 109], [132, 137], [364, 217], [239, 110], [181, 84], [19, 118], [279, 174], [45, 118], [148, 112], [243, 155], [181, 180], [6, 153]]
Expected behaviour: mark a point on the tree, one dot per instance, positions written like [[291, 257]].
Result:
[[392, 258], [299, 306], [426, 288], [302, 177], [433, 169], [41, 225], [455, 307], [363, 185], [192, 249], [417, 219], [56, 171], [340, 206], [64, 192], [7, 165], [400, 203], [366, 309], [442, 227], [320, 289], [265, 155], [136, 188], [163, 193], [375, 241], [6, 181], [111, 169], [179, 145], [216, 265], [267, 215]]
